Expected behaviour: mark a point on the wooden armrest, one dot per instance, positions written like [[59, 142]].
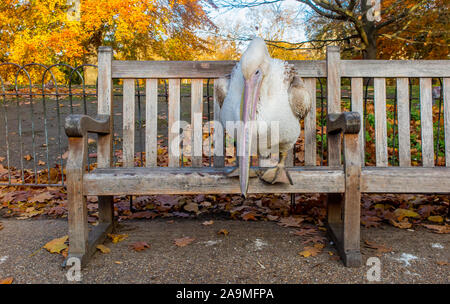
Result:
[[346, 122], [78, 125]]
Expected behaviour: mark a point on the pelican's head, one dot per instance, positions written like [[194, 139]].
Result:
[[254, 65]]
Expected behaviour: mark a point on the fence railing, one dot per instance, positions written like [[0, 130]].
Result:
[[36, 98]]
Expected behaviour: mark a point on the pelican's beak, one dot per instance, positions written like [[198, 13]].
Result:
[[248, 111]]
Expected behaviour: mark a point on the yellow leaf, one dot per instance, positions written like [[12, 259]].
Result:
[[6, 281], [402, 224], [223, 231], [103, 248], [436, 218], [401, 213], [116, 238], [57, 245]]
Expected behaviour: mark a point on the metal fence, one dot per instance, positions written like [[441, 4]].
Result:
[[36, 98]]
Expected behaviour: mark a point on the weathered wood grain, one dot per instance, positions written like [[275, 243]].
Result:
[[310, 125], [426, 119], [380, 122], [78, 125], [405, 180], [76, 201], [352, 202], [128, 122], [151, 122], [196, 121], [218, 135], [358, 106], [334, 101], [404, 137], [446, 90], [199, 69], [395, 68], [147, 181], [174, 123]]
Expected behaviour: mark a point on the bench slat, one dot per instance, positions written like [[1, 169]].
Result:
[[405, 180], [357, 106], [404, 137], [128, 122], [218, 135], [446, 91], [310, 125], [151, 122], [426, 118], [380, 122], [206, 180], [196, 121], [174, 119]]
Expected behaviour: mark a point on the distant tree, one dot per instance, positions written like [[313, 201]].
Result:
[[359, 26]]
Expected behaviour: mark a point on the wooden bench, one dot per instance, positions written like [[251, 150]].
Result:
[[344, 179]]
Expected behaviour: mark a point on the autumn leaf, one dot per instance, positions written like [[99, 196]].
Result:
[[191, 207], [116, 238], [311, 250], [290, 222], [402, 213], [103, 248], [443, 263], [41, 163], [139, 246], [183, 241], [223, 231], [402, 225], [207, 223], [28, 157], [435, 218], [57, 245], [41, 197], [249, 216], [6, 281], [380, 248], [444, 229]]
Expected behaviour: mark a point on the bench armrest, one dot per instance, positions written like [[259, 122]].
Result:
[[346, 122], [78, 125]]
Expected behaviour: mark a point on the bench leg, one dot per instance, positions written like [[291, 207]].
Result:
[[344, 211], [83, 242]]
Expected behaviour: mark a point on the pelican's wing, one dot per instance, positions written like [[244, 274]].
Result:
[[221, 89], [299, 97]]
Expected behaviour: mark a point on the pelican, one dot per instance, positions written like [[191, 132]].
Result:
[[262, 89]]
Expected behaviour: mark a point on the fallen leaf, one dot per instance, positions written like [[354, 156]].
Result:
[[183, 241], [1, 159], [207, 223], [103, 248], [118, 262], [438, 228], [402, 213], [272, 217], [443, 263], [223, 231], [116, 238], [40, 197], [435, 218], [312, 251], [27, 157], [139, 246], [249, 216], [380, 248], [41, 163], [191, 207], [57, 245], [290, 222], [402, 225], [91, 141], [6, 281]]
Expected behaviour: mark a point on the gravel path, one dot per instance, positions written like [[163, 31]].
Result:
[[253, 252]]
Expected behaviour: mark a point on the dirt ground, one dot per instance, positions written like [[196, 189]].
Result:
[[252, 252]]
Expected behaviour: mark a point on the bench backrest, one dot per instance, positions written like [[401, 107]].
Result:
[[333, 68]]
